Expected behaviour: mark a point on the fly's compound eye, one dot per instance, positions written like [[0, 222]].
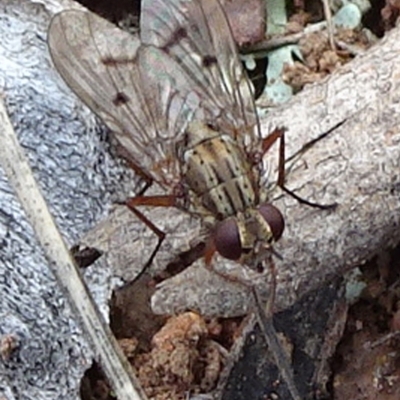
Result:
[[274, 219], [227, 239]]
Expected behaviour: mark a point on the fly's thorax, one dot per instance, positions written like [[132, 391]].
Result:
[[216, 170], [248, 236]]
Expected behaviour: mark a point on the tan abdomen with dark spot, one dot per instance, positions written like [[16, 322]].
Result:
[[217, 171]]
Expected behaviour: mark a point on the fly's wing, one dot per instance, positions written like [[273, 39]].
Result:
[[197, 35], [105, 68]]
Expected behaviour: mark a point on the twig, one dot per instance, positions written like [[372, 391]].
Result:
[[329, 23], [276, 42]]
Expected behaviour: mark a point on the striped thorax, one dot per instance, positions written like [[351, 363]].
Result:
[[223, 184]]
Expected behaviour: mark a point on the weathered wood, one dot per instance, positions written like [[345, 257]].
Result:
[[356, 165]]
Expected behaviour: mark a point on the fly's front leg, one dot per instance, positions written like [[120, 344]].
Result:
[[279, 133], [264, 314]]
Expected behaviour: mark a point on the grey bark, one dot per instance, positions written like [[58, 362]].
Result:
[[76, 175], [357, 166]]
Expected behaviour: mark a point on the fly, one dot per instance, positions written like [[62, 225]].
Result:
[[181, 106]]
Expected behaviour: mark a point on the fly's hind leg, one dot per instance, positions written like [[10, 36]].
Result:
[[279, 133]]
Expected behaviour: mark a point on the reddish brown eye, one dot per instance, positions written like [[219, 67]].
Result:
[[274, 219], [227, 239]]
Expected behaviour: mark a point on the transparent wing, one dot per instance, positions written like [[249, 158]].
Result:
[[109, 71], [197, 35]]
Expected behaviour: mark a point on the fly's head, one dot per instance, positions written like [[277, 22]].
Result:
[[248, 236]]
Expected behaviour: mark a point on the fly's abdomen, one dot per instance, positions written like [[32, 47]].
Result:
[[217, 171]]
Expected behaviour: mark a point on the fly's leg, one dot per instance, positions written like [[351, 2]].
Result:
[[267, 143], [271, 337], [152, 201], [141, 200], [155, 201], [86, 256], [123, 153], [264, 316]]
